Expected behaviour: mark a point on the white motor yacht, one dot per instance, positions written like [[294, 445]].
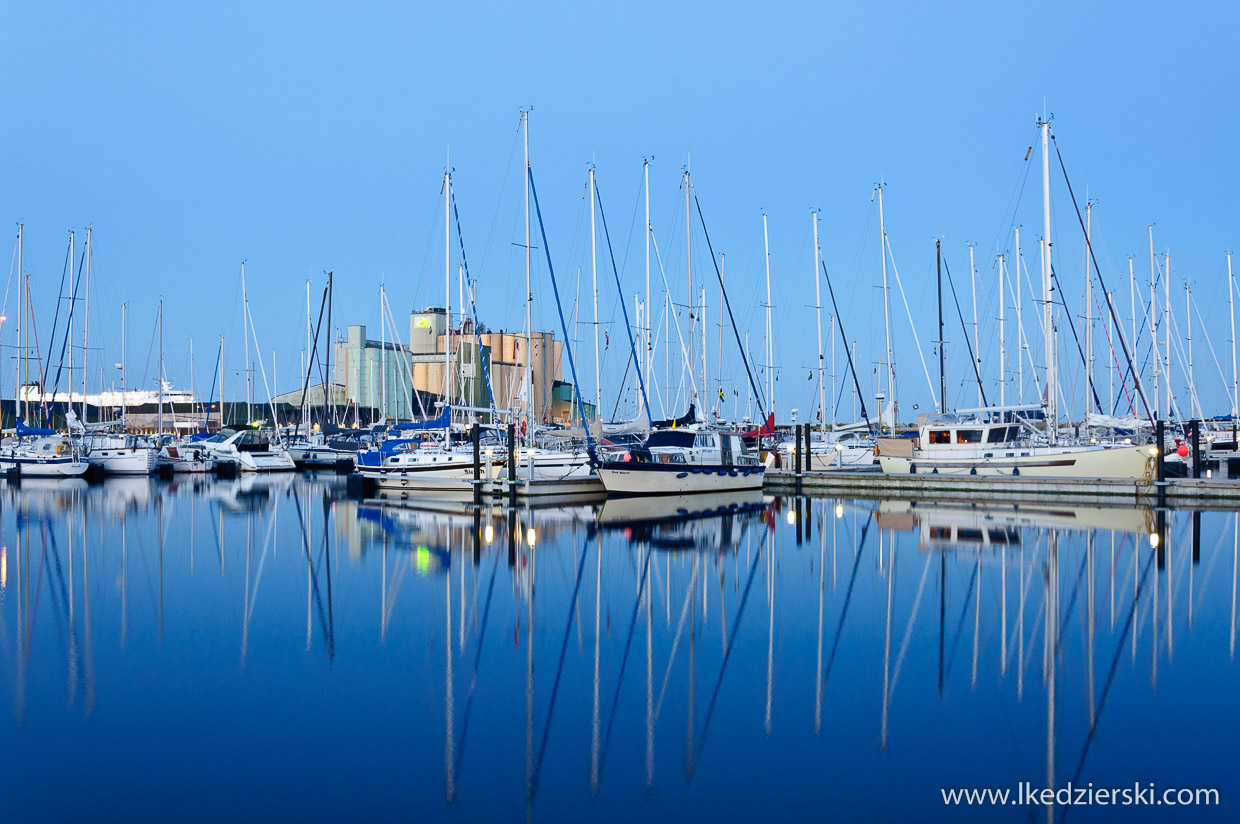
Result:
[[252, 450], [679, 461]]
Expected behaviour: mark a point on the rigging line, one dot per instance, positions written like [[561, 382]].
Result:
[[684, 352], [731, 318], [555, 685], [310, 360], [1123, 386], [559, 309], [839, 628], [727, 652], [1106, 689], [65, 340], [473, 307], [1089, 379], [620, 394], [916, 340], [60, 296], [469, 702], [314, 576], [847, 349], [1219, 366], [623, 303], [690, 591], [967, 343], [1110, 304], [1067, 616], [624, 660], [960, 623], [219, 352]]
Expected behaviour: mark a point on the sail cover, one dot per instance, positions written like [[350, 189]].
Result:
[[23, 430], [442, 422], [686, 419]]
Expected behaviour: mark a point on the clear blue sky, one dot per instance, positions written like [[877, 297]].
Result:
[[305, 137]]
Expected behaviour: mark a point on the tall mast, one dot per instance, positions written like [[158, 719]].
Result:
[[245, 320], [69, 327], [1149, 230], [1089, 316], [723, 268], [938, 263], [86, 326], [1132, 297], [703, 324], [689, 276], [1048, 307], [447, 291], [888, 367], [1002, 326], [770, 358], [529, 295], [1167, 327], [1020, 326], [328, 411], [1231, 311], [598, 374], [649, 341], [221, 382], [160, 380], [21, 331], [382, 356], [124, 364], [822, 388], [1192, 381], [977, 342]]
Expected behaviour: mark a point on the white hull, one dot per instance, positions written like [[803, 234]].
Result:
[[124, 460], [48, 468], [428, 476], [851, 458], [1035, 462], [276, 461], [652, 479]]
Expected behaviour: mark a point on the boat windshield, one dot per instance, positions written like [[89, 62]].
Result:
[[671, 438]]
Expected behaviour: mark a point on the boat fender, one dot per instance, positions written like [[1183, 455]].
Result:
[[973, 470], [934, 471], [1016, 470], [912, 469], [682, 475]]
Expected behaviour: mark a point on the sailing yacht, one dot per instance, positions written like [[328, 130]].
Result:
[[46, 455], [991, 443]]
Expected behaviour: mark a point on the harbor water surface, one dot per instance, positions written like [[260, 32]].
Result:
[[268, 649]]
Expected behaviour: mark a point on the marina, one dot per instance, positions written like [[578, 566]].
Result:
[[597, 660]]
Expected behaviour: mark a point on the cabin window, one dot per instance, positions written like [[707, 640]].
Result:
[[997, 435], [968, 436], [940, 436]]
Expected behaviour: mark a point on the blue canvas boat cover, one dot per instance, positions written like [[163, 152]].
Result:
[[23, 430]]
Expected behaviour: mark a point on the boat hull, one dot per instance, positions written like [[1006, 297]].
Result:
[[1127, 462], [124, 461], [624, 478]]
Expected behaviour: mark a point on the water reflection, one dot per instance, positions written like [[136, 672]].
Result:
[[600, 660]]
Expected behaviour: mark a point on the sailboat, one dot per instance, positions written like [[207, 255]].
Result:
[[990, 441]]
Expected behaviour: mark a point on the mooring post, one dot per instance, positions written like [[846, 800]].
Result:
[[1159, 433], [1195, 446], [475, 437], [512, 463]]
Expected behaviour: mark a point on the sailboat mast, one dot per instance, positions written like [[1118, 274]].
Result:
[[770, 358], [822, 387], [529, 295], [1167, 327], [69, 328], [124, 364], [1020, 326], [689, 276], [159, 415], [1002, 327], [1192, 380], [86, 326], [598, 374], [703, 324], [938, 263], [245, 321], [1089, 315], [382, 357], [21, 328], [1048, 307], [977, 342], [887, 366], [1231, 311], [1149, 230], [649, 340], [221, 382], [447, 292]]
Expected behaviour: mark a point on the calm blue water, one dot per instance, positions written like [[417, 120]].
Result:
[[265, 649]]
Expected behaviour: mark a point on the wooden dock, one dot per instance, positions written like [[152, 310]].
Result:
[[867, 484]]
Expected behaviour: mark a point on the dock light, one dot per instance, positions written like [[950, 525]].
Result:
[[1154, 540], [839, 510], [839, 447], [1154, 451], [1128, 441], [489, 533], [1209, 473], [530, 537], [792, 517]]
